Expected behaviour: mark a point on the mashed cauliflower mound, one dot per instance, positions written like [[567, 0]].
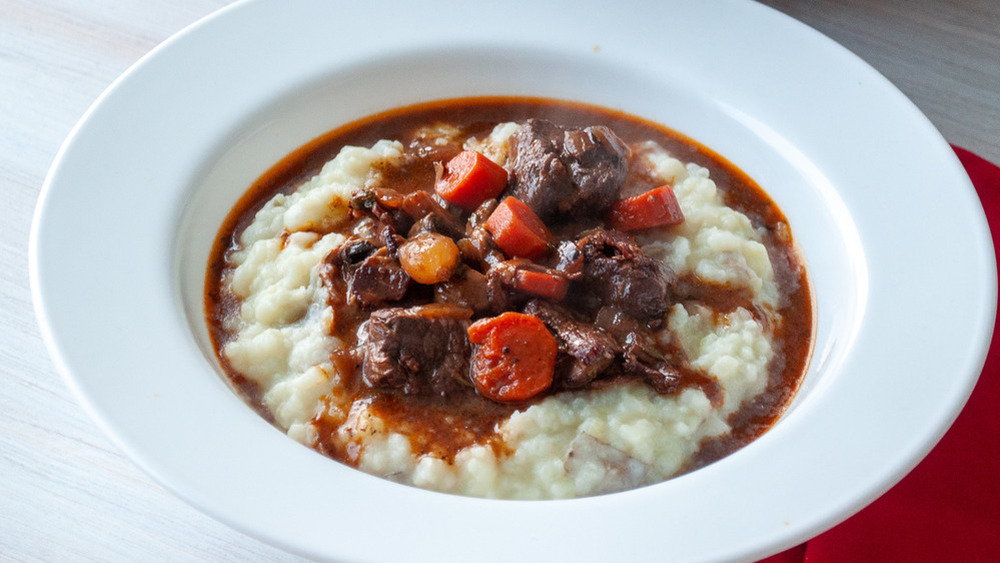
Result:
[[570, 444]]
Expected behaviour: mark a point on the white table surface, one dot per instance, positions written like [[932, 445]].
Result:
[[66, 492]]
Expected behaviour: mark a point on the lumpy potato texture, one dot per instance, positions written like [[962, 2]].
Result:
[[570, 444]]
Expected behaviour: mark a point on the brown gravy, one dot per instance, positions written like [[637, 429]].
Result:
[[439, 429]]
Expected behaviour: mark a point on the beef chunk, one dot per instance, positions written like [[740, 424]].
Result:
[[563, 172], [511, 283], [617, 273], [479, 250], [376, 280], [354, 251], [433, 223], [500, 287], [477, 219], [642, 358], [570, 260], [360, 273], [467, 289], [411, 213], [585, 351], [598, 163], [416, 350], [386, 205], [536, 174], [430, 216]]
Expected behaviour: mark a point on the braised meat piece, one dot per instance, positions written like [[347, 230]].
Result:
[[385, 205], [477, 219], [511, 283], [416, 350], [536, 174], [643, 358], [569, 260], [500, 279], [352, 252], [434, 223], [585, 350], [598, 164], [430, 216], [360, 273], [560, 172], [617, 273], [376, 280], [467, 289], [411, 213], [642, 355], [479, 250]]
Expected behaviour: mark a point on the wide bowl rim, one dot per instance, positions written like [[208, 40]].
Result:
[[145, 77]]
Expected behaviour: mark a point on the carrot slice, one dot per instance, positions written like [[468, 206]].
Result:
[[550, 286], [655, 208], [514, 358], [517, 230], [470, 179]]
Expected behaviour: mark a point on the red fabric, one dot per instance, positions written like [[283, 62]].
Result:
[[948, 507]]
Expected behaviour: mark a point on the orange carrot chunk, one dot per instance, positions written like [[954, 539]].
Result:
[[656, 208], [517, 230], [470, 179], [550, 286], [514, 358]]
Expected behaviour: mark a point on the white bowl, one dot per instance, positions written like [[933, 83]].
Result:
[[895, 240]]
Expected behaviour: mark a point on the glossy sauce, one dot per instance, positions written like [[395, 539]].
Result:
[[441, 429]]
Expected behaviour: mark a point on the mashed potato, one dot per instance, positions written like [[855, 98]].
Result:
[[570, 444]]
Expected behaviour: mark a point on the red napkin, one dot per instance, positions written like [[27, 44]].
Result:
[[948, 507]]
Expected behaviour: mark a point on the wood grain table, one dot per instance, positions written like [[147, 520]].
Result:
[[66, 492]]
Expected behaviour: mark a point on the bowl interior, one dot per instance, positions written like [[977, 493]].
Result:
[[820, 223], [167, 151]]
